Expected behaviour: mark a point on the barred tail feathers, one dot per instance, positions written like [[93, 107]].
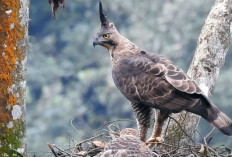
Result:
[[222, 121], [212, 114]]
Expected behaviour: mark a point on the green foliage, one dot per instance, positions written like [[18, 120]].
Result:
[[11, 141], [69, 79]]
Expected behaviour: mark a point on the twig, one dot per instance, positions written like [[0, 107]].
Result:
[[193, 151], [199, 133], [89, 139], [169, 145], [108, 123], [61, 150], [181, 128], [53, 151], [205, 138], [92, 150], [211, 149], [168, 153], [113, 133], [115, 126], [74, 126]]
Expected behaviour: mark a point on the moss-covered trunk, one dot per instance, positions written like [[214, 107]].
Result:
[[14, 17]]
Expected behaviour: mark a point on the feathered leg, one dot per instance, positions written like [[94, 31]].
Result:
[[143, 117], [161, 116]]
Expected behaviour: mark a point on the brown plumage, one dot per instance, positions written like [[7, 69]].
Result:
[[127, 145], [151, 81], [55, 5]]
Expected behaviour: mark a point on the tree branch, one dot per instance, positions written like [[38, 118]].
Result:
[[212, 46]]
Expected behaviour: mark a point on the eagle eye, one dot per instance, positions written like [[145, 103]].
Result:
[[105, 36]]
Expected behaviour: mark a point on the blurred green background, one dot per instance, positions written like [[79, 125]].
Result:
[[68, 79]]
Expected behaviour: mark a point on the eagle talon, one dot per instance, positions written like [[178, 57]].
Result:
[[151, 141]]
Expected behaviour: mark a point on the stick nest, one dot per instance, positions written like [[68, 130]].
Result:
[[97, 144]]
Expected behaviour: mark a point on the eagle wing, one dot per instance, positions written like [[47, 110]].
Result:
[[175, 76], [155, 81]]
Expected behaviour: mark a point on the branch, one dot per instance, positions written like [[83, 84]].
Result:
[[212, 46]]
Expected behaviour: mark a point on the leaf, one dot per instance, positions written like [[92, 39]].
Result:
[[55, 4], [204, 150], [81, 153], [99, 144]]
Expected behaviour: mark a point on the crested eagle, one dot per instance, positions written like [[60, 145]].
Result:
[[150, 81]]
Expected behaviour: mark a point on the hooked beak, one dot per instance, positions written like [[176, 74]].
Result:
[[95, 42]]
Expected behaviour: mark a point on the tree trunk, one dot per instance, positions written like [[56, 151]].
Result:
[[14, 17], [212, 46]]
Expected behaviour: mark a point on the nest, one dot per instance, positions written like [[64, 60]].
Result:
[[97, 145]]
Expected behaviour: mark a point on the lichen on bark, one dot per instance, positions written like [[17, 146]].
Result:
[[13, 48]]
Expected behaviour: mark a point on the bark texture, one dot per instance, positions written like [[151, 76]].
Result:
[[14, 17], [212, 46]]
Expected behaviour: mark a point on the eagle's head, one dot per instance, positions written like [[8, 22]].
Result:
[[108, 34]]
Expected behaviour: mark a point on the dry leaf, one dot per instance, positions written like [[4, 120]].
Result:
[[204, 150], [99, 144], [81, 153]]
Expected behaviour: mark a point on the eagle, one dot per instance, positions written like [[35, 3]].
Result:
[[128, 144], [150, 81]]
